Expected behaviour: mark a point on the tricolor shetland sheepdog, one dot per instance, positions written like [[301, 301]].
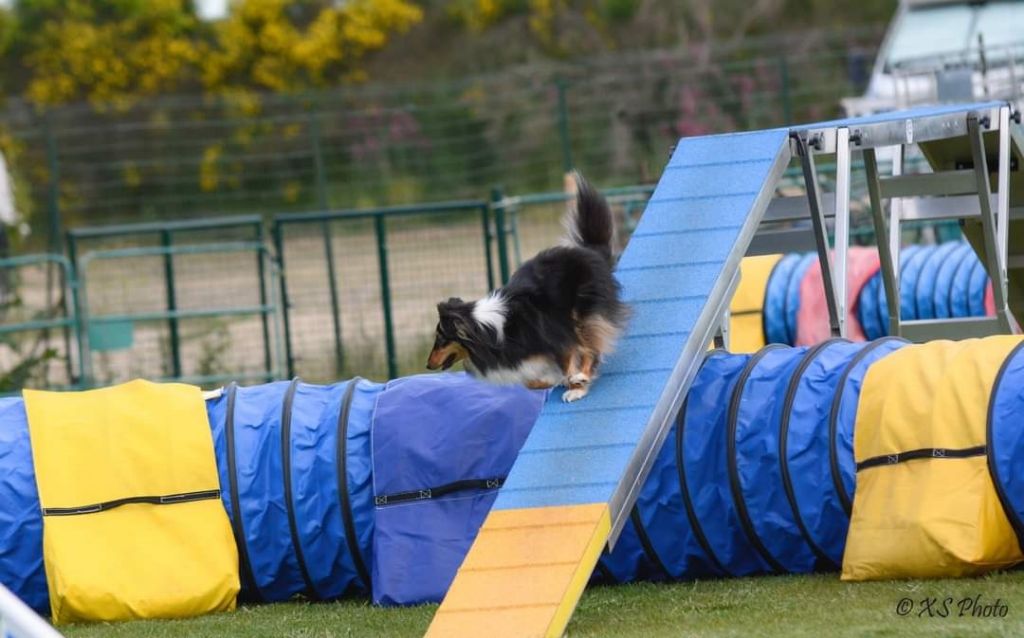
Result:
[[552, 323]]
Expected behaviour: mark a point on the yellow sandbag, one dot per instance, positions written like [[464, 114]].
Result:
[[133, 525], [746, 320], [925, 505]]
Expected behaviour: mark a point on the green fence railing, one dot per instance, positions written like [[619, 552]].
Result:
[[415, 249], [104, 330]]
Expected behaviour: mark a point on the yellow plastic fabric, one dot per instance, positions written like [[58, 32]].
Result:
[[136, 560], [746, 320], [928, 517]]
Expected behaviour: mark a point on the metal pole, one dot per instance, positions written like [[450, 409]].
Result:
[[563, 124], [289, 356], [1003, 194], [485, 221], [385, 294], [890, 276], [268, 362], [994, 260], [819, 229], [172, 304], [895, 245], [332, 285], [842, 224], [497, 202]]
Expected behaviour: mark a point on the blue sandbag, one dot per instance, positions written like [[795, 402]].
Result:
[[976, 290], [924, 291], [295, 533], [1005, 447], [792, 307], [442, 445], [775, 294], [755, 410], [843, 417], [21, 519], [805, 461], [705, 468]]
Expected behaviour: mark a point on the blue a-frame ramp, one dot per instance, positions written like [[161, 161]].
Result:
[[579, 471], [581, 468]]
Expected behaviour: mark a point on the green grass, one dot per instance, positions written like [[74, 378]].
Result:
[[791, 606]]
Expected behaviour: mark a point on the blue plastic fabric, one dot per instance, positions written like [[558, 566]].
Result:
[[959, 293], [910, 270], [1006, 439], [431, 432], [21, 520], [754, 473], [806, 469], [867, 308], [907, 255], [706, 468], [775, 294], [942, 294], [924, 292], [843, 417], [793, 295], [318, 558], [976, 289]]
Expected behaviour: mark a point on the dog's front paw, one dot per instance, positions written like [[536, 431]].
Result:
[[579, 380], [574, 394]]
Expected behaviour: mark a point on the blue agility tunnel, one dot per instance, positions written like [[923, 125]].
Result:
[[359, 488]]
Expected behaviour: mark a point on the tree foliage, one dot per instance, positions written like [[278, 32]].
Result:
[[111, 51], [282, 45]]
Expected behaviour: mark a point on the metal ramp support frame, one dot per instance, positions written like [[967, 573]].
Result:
[[945, 195]]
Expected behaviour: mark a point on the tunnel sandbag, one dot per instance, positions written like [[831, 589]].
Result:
[[442, 446], [1006, 439], [813, 316], [926, 505], [21, 520], [133, 525], [842, 418], [746, 310], [295, 462], [775, 294]]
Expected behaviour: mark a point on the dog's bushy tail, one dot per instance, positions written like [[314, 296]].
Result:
[[590, 223]]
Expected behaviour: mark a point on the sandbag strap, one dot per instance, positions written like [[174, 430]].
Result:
[[439, 491], [923, 453], [166, 499]]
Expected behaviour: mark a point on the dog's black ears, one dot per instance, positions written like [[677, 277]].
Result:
[[447, 306]]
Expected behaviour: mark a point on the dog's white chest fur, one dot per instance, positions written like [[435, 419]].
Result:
[[533, 370]]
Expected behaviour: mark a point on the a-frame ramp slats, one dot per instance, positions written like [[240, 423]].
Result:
[[574, 480]]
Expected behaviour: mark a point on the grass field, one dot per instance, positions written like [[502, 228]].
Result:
[[791, 606]]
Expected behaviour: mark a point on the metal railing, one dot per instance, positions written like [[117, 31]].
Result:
[[451, 229], [95, 325]]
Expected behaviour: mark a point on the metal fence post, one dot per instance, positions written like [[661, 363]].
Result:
[[497, 203], [563, 124], [268, 362], [289, 357], [485, 220], [385, 294], [172, 304], [332, 285]]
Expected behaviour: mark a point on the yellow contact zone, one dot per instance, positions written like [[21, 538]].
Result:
[[525, 572]]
